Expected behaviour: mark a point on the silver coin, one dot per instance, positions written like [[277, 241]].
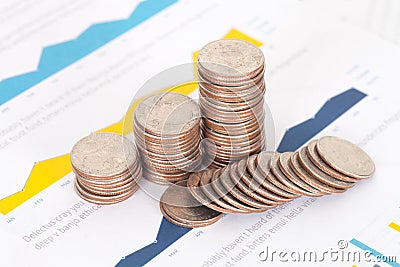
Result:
[[238, 81], [345, 157], [99, 191], [284, 164], [207, 189], [193, 184], [103, 154], [313, 155], [281, 177], [227, 95], [237, 106], [180, 204], [269, 197], [232, 188], [309, 179], [103, 200], [235, 129], [230, 58], [281, 195], [263, 163], [238, 173], [167, 113], [227, 196], [313, 170], [111, 181], [241, 82]]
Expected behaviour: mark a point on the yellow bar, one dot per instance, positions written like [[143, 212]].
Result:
[[394, 226], [43, 175]]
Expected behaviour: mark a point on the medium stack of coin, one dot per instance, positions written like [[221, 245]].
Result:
[[107, 168], [265, 180], [179, 207], [231, 98], [167, 133]]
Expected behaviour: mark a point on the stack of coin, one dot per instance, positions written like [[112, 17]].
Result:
[[107, 168], [179, 207], [231, 98], [263, 181], [167, 133]]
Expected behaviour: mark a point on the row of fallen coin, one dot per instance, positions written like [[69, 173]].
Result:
[[265, 180]]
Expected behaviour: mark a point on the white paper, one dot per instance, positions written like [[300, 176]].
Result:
[[307, 63]]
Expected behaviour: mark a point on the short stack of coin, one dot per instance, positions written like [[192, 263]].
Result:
[[167, 133], [231, 98], [263, 181], [107, 168]]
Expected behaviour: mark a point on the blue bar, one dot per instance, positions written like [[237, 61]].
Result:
[[56, 57], [335, 107]]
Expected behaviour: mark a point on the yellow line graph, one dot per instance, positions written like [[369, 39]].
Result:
[[47, 172], [394, 226]]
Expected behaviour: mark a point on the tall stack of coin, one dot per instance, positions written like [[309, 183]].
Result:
[[231, 86], [265, 180], [167, 132], [107, 168]]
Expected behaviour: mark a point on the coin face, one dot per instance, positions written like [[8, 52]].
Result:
[[237, 175], [284, 164], [345, 157], [313, 155], [230, 58], [167, 113], [313, 170], [208, 190], [280, 176], [268, 197], [193, 184], [263, 163], [281, 195], [309, 179], [180, 204], [102, 154], [227, 196], [232, 188]]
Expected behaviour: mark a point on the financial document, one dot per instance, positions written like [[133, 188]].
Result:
[[69, 68], [378, 17]]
